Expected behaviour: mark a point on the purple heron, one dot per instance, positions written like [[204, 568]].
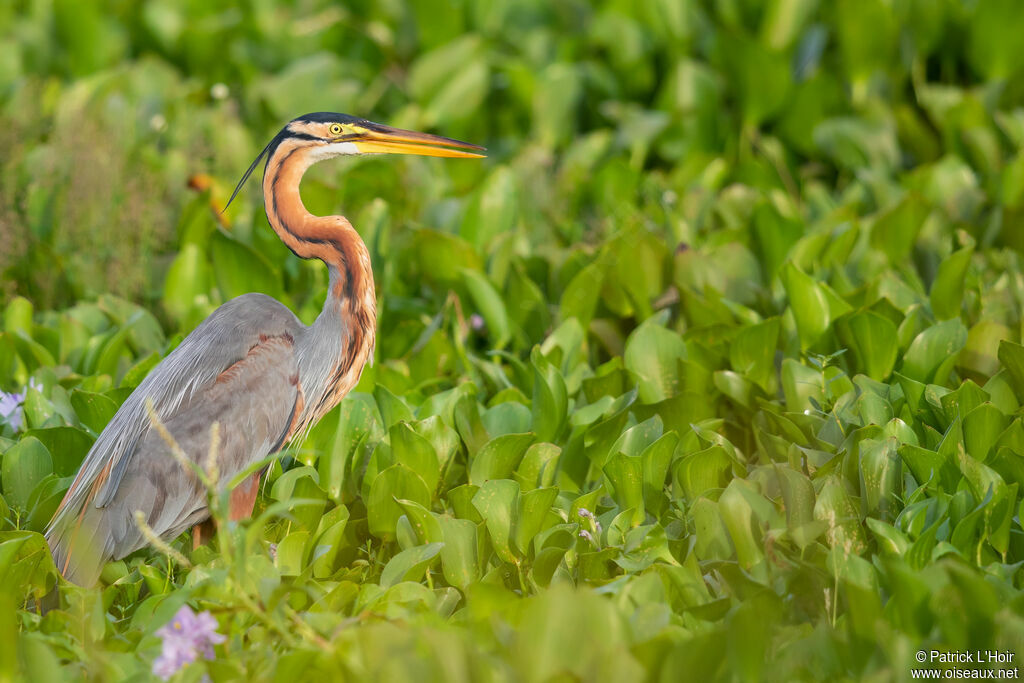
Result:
[[251, 367]]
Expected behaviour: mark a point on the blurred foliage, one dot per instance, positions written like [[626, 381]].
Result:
[[742, 279]]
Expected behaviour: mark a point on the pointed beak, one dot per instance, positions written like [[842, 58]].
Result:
[[380, 139]]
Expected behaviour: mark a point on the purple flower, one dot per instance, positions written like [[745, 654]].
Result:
[[585, 513], [11, 405], [586, 534], [185, 637], [476, 321]]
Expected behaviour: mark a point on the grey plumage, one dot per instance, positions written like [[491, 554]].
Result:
[[253, 402]]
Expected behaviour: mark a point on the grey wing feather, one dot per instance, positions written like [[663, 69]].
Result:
[[248, 343]]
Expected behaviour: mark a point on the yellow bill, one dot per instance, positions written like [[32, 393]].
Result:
[[380, 139]]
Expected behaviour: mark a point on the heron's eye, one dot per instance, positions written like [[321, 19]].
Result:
[[335, 129]]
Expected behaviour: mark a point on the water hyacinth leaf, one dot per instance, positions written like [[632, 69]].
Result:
[[872, 339], [67, 447], [880, 476], [491, 306], [798, 494], [461, 499], [655, 460], [292, 553], [999, 517], [396, 482], [814, 306], [409, 565], [497, 501], [948, 288], [337, 438], [936, 468], [459, 554], [653, 352], [499, 457], [740, 520], [550, 398], [932, 353], [187, 282], [24, 465], [982, 428], [625, 481], [392, 408], [836, 508], [424, 523], [234, 272], [94, 410], [533, 509], [26, 565], [581, 294], [696, 474], [538, 466], [416, 453], [752, 352], [328, 544], [896, 229], [890, 539]]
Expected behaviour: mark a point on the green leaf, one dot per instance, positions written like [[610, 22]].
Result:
[[696, 474], [424, 523], [872, 339], [653, 352], [533, 509], [740, 520], [982, 427], [396, 482], [497, 501], [459, 554], [489, 303], [932, 353], [416, 453], [550, 398], [625, 479], [499, 457], [895, 230], [948, 288], [25, 464], [814, 306], [409, 565], [752, 352]]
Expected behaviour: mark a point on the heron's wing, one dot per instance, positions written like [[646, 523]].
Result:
[[237, 368]]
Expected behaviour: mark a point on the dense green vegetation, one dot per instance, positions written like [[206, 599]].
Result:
[[711, 370]]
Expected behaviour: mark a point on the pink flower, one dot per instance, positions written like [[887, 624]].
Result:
[[185, 637]]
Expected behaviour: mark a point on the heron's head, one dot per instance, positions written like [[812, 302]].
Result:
[[326, 134]]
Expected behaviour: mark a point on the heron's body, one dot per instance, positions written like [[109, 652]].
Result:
[[252, 367]]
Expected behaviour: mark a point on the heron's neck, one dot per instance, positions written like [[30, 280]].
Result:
[[351, 306]]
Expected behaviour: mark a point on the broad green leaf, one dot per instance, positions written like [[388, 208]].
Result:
[[416, 453], [948, 288], [499, 457], [497, 501], [625, 477], [24, 465], [396, 482], [459, 554], [409, 565], [653, 352], [533, 509], [489, 303], [872, 339], [932, 353], [424, 523]]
